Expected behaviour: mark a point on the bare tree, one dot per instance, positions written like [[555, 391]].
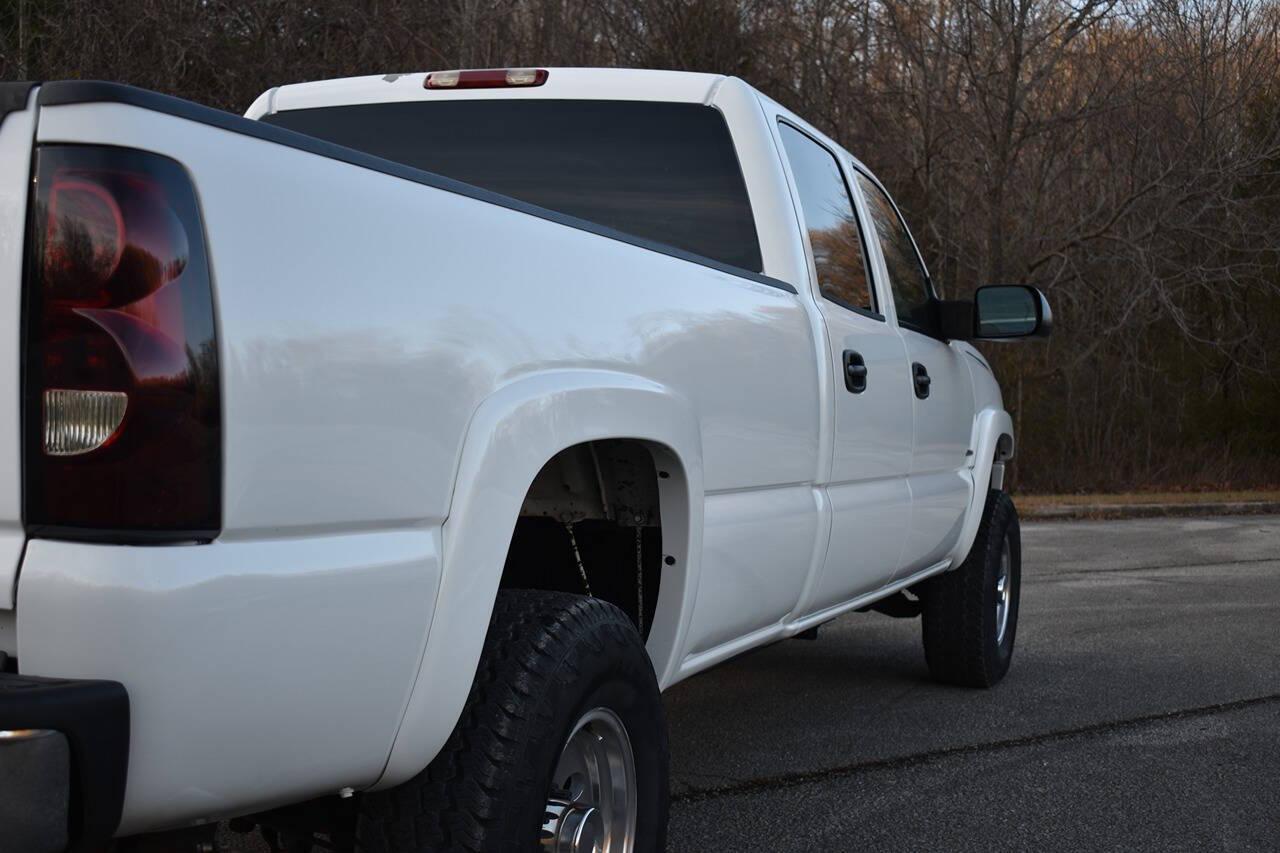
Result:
[[1124, 155]]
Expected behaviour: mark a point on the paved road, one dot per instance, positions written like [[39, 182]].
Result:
[[1142, 711]]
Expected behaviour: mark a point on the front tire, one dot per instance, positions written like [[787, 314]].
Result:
[[970, 614], [564, 688]]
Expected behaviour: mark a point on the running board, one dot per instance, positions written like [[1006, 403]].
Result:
[[782, 630], [897, 605]]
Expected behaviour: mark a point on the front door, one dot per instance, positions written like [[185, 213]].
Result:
[[867, 490]]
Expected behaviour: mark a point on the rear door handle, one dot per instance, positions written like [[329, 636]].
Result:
[[855, 372], [920, 375]]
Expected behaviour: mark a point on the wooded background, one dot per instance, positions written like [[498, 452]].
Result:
[[1123, 157]]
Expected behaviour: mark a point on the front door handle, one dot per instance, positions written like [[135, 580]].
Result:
[[920, 375], [855, 372]]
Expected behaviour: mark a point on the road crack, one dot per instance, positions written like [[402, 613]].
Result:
[[804, 777], [1047, 574]]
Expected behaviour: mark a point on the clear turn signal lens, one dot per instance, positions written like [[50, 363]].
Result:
[[81, 421], [522, 77], [443, 80]]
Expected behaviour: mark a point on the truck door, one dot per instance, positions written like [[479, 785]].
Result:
[[867, 489], [941, 390]]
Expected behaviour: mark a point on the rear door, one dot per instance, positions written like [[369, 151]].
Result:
[[17, 131], [867, 490], [940, 387]]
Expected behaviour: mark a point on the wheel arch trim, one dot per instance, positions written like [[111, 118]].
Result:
[[992, 436], [512, 434]]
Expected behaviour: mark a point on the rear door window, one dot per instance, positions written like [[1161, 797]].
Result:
[[829, 220], [665, 172]]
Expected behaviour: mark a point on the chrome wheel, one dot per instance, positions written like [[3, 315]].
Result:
[[592, 807], [1004, 590]]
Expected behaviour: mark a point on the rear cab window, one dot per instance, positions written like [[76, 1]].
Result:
[[663, 172]]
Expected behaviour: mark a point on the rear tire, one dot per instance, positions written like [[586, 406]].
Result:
[[552, 664], [970, 614]]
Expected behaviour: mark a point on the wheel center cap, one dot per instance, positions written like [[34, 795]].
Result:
[[581, 830], [572, 829]]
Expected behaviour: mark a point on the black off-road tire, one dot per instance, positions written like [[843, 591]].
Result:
[[548, 658], [959, 607]]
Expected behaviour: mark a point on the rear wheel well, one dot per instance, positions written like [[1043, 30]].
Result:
[[591, 524]]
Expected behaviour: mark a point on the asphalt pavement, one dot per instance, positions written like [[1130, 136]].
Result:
[[1141, 712]]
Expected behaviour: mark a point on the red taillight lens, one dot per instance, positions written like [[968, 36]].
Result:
[[122, 413]]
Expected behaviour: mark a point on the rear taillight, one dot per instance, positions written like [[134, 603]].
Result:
[[121, 392], [492, 78]]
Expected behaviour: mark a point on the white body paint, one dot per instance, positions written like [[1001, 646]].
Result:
[[398, 362]]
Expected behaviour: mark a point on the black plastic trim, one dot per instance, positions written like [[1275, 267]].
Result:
[[855, 372], [955, 319], [13, 97], [123, 536], [921, 330], [921, 380], [94, 716], [94, 91]]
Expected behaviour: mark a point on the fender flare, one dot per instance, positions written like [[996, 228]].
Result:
[[989, 427], [511, 436]]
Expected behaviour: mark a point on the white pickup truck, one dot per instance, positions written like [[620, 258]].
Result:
[[369, 464]]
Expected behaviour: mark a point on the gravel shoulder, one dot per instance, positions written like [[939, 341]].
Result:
[[1148, 504]]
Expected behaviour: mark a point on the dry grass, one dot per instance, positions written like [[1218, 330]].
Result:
[[1138, 498]]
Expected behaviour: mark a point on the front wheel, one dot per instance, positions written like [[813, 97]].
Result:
[[562, 745], [971, 612]]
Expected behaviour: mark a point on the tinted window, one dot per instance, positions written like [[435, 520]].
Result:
[[664, 172], [907, 279], [829, 220]]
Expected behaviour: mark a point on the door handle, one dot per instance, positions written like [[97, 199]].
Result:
[[855, 372], [920, 375]]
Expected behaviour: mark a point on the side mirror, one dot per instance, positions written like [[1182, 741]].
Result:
[[1005, 311]]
